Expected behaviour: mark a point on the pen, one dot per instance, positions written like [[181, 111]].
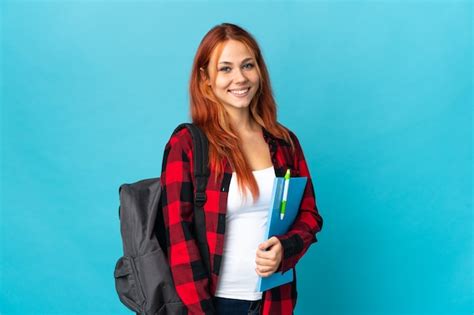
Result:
[[285, 194]]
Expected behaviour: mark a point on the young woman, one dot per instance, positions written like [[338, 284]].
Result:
[[232, 103]]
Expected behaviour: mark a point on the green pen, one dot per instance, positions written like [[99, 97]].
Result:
[[285, 194]]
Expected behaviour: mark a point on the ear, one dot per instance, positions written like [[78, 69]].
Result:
[[204, 76]]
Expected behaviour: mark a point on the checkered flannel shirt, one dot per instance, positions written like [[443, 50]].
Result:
[[193, 286]]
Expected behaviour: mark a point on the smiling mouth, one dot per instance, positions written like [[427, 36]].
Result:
[[240, 92]]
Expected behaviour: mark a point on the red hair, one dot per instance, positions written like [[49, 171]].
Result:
[[211, 116]]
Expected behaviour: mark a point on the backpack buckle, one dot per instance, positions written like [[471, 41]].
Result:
[[200, 198]]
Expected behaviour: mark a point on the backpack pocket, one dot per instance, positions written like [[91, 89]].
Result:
[[127, 284], [145, 285], [155, 279]]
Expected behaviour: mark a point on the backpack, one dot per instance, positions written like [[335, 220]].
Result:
[[143, 278]]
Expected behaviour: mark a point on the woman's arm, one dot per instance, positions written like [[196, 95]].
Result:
[[189, 273], [302, 233]]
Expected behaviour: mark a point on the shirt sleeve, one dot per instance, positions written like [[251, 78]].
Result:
[[308, 222], [188, 271]]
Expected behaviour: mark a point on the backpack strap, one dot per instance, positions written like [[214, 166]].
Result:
[[201, 175]]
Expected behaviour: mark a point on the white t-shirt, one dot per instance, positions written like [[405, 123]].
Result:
[[246, 222]]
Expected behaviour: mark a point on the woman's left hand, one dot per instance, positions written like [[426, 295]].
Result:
[[268, 261]]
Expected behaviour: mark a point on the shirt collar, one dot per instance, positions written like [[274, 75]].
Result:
[[272, 142]]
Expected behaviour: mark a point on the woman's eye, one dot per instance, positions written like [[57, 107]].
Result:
[[247, 66]]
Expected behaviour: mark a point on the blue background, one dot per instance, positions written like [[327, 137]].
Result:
[[378, 92]]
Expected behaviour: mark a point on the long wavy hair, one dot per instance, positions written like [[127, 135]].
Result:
[[210, 115]]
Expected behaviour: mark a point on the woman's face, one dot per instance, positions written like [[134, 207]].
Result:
[[237, 79]]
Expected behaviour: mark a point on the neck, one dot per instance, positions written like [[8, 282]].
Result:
[[241, 121]]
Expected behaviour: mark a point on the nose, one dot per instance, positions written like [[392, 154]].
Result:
[[240, 76]]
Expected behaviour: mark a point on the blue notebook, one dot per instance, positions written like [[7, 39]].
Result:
[[276, 226]]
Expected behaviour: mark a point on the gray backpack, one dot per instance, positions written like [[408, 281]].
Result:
[[143, 278]]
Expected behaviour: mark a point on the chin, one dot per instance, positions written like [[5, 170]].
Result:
[[239, 105]]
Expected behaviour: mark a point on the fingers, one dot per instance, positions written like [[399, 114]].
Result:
[[268, 257], [271, 254], [264, 271], [264, 262], [268, 243], [262, 268], [264, 275], [265, 267]]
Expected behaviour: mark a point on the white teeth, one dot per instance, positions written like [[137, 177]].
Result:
[[239, 92]]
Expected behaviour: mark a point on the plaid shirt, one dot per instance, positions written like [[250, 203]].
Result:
[[189, 274]]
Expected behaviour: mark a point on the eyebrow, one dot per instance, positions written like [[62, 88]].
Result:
[[229, 63]]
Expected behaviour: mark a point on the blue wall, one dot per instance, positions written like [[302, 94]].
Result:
[[379, 93]]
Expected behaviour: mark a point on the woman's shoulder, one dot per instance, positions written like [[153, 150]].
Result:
[[179, 147], [290, 132], [181, 139]]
